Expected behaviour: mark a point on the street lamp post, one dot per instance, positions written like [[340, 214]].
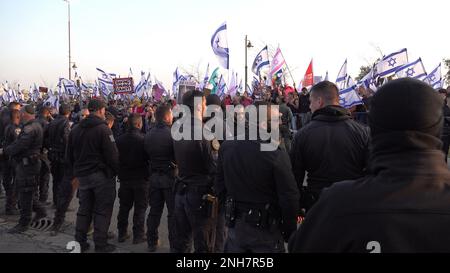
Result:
[[248, 45], [70, 47]]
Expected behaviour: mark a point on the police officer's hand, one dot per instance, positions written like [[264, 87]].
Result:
[[75, 184]]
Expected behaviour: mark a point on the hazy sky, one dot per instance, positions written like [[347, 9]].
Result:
[[159, 35]]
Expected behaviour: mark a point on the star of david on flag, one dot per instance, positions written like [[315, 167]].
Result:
[[391, 63], [261, 61], [414, 70]]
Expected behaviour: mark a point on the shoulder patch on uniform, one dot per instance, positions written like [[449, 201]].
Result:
[[17, 131], [28, 129], [111, 137]]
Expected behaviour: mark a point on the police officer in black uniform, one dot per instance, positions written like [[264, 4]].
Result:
[[195, 167], [260, 191], [331, 132], [93, 157], [12, 132], [26, 153], [133, 176], [5, 120], [44, 119], [159, 148], [57, 135]]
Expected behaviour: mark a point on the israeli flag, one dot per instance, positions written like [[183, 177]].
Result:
[[342, 76], [106, 82], [70, 87], [369, 81], [349, 97], [414, 70], [233, 84], [435, 78], [141, 87], [221, 87], [389, 65], [177, 78], [219, 44], [277, 63], [205, 79], [326, 77], [261, 60]]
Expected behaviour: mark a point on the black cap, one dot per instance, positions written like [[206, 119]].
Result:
[[95, 105], [406, 105], [29, 109]]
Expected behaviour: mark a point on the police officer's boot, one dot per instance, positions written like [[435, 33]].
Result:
[[152, 247], [40, 214], [18, 229], [57, 224], [123, 236], [11, 211], [108, 248], [139, 239]]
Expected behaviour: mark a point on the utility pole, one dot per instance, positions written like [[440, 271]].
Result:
[[248, 45], [70, 46]]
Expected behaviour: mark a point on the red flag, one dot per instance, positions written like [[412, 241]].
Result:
[[308, 80]]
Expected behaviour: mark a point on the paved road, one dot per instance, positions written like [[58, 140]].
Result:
[[40, 241]]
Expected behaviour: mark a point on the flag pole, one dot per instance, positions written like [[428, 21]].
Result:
[[290, 73]]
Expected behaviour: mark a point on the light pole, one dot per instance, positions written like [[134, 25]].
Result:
[[70, 47], [248, 45]]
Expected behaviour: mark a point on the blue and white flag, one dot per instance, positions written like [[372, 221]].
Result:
[[205, 79], [106, 82], [326, 77], [177, 78], [221, 86], [232, 86], [414, 70], [261, 61], [52, 101], [342, 76], [69, 86], [219, 44], [435, 78], [141, 87], [389, 65], [349, 97], [369, 81]]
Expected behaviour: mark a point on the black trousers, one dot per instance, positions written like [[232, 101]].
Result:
[[28, 199], [133, 194], [65, 195], [245, 238], [44, 181], [57, 170], [97, 194], [9, 185], [191, 220], [160, 194]]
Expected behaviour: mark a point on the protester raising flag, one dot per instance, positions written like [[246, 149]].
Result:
[[435, 78], [342, 76], [414, 70], [219, 44], [389, 65], [261, 61]]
